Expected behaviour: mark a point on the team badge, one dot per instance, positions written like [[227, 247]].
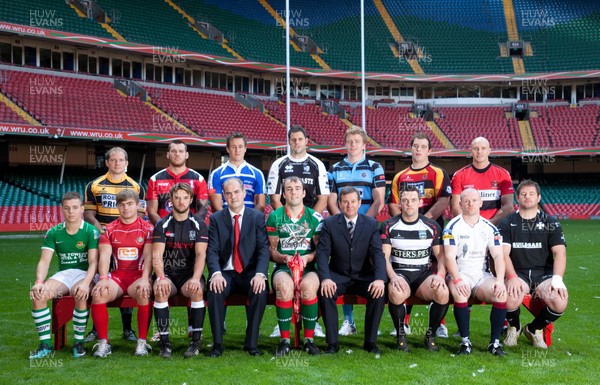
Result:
[[540, 226], [422, 234], [80, 245], [192, 235], [495, 184], [363, 175], [139, 240]]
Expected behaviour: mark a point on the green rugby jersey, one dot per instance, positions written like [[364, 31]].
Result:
[[72, 250]]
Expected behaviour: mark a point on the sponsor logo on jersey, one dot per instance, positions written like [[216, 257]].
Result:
[[169, 234], [127, 253], [109, 201], [527, 245], [447, 236], [288, 168], [490, 195], [80, 245], [410, 254], [163, 184]]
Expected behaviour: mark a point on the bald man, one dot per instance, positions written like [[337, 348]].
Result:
[[493, 182]]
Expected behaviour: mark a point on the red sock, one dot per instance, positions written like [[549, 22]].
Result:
[[100, 318], [143, 320]]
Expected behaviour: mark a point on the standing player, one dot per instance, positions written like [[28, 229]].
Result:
[[467, 240], [493, 182], [159, 185], [411, 243], [313, 175], [368, 178], [75, 243], [303, 165], [433, 184], [101, 209], [536, 259], [178, 257], [128, 242], [252, 177], [294, 228]]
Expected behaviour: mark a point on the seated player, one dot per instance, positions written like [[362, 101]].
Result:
[[75, 243], [178, 258], [294, 228], [128, 240], [536, 258], [410, 243], [467, 240]]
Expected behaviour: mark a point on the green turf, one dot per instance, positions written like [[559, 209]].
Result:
[[572, 359]]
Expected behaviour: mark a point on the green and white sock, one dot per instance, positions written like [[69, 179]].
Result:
[[80, 318], [42, 321]]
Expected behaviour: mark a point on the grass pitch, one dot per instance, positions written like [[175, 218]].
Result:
[[573, 358]]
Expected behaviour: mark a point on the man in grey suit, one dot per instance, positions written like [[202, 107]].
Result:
[[350, 261], [237, 260]]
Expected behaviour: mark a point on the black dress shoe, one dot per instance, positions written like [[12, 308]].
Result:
[[372, 348], [217, 350], [332, 349], [254, 352]]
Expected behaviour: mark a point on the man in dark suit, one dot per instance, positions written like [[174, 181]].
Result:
[[238, 260], [350, 260]]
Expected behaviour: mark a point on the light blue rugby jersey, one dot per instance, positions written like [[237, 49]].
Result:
[[364, 175], [252, 177]]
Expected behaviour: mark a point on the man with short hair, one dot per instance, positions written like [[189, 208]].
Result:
[[128, 242], [536, 258], [159, 185], [313, 174], [412, 246], [75, 243], [467, 240], [252, 177], [294, 228], [350, 261], [101, 209], [493, 182], [434, 187], [178, 257], [299, 163], [238, 262], [368, 177]]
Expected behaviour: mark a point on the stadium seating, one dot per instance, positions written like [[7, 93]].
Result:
[[564, 127], [463, 124], [56, 15], [571, 195], [7, 115], [215, 115], [392, 127], [156, 23], [76, 102], [320, 127]]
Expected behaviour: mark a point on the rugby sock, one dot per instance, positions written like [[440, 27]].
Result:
[[126, 316], [161, 313], [197, 312], [189, 313], [100, 319], [284, 310], [407, 316], [80, 318], [497, 317], [463, 318], [310, 312], [512, 316], [42, 321], [436, 315], [348, 311], [398, 312], [545, 317], [143, 320]]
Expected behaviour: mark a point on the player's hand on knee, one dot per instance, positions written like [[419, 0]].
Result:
[[193, 286], [462, 288], [163, 288], [81, 292], [143, 290], [36, 291], [437, 283], [498, 288]]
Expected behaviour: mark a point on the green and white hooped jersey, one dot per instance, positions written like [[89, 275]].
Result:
[[72, 250]]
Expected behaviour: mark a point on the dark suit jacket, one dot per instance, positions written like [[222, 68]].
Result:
[[358, 259], [254, 244]]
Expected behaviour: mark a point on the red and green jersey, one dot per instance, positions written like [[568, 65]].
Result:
[[72, 249]]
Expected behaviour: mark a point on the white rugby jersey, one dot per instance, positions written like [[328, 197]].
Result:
[[472, 243]]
